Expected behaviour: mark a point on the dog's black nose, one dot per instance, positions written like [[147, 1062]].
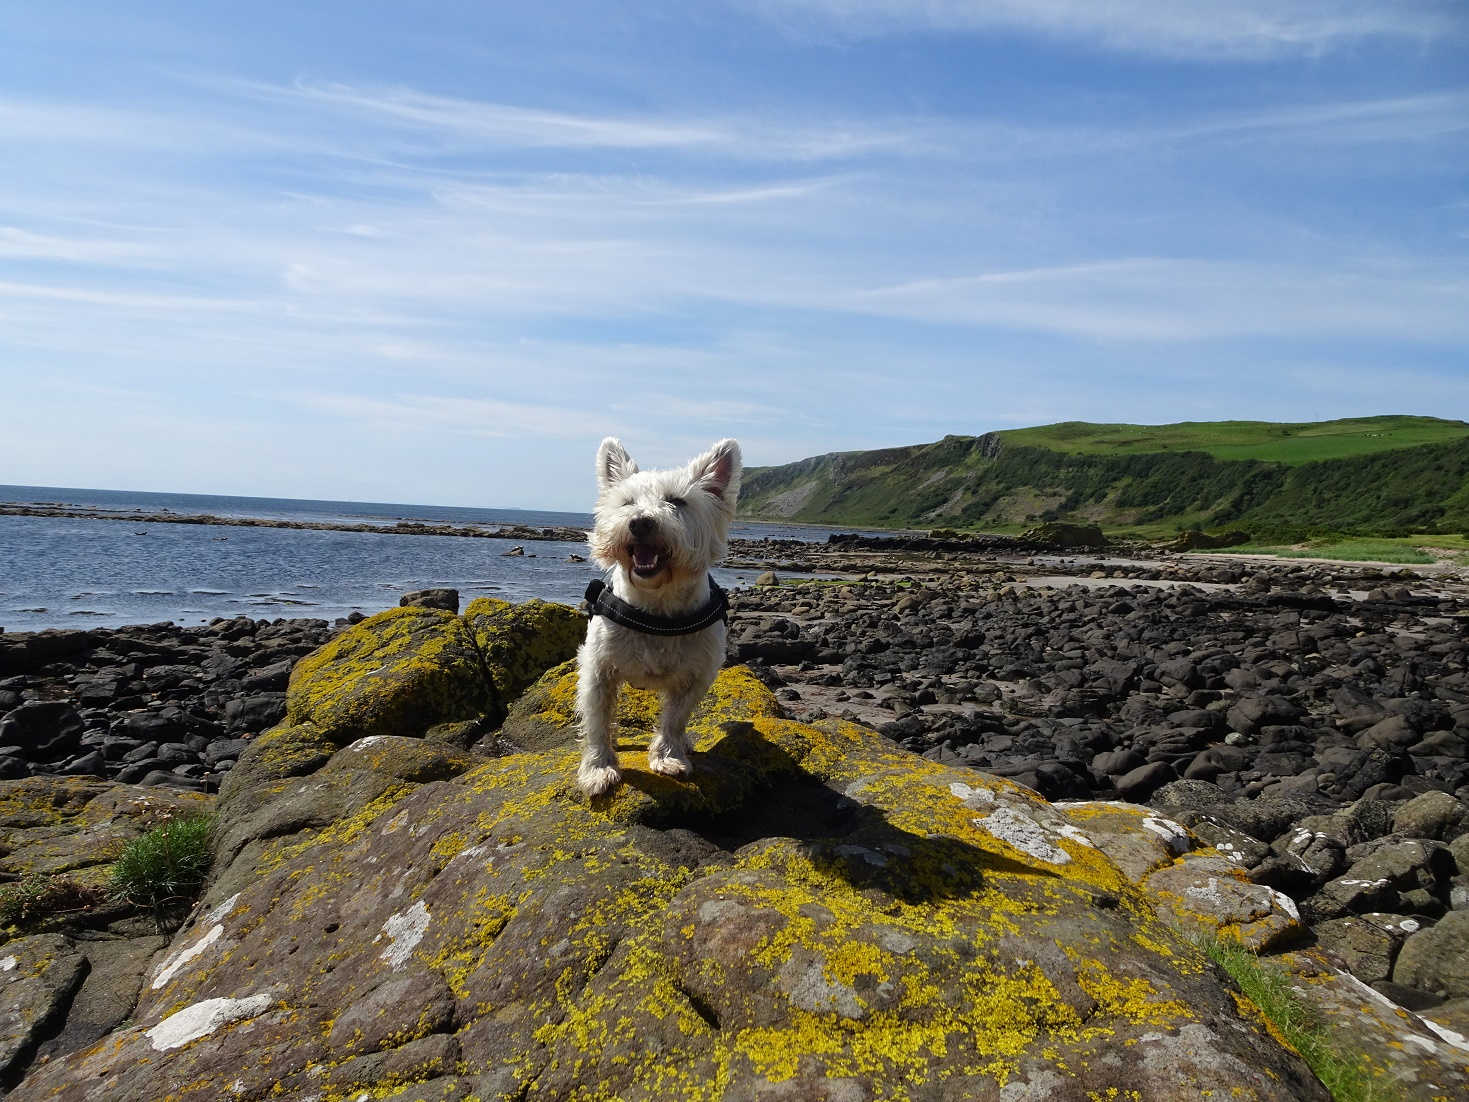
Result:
[[642, 527]]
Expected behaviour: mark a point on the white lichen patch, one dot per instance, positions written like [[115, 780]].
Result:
[[1284, 903], [1173, 835], [184, 956], [1076, 834], [1230, 850], [218, 914], [1211, 898], [972, 797], [202, 1019], [1449, 1036], [1022, 833], [8, 964], [366, 743], [404, 931]]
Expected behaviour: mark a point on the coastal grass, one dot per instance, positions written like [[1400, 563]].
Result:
[[1267, 441], [1415, 550], [1269, 988], [166, 867]]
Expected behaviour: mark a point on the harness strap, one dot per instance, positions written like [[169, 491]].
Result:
[[604, 602]]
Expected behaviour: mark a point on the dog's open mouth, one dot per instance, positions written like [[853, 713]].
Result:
[[647, 559]]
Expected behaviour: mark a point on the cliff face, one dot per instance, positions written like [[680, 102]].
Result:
[[1014, 478], [816, 915]]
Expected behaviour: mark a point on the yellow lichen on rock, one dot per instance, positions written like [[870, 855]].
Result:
[[396, 673], [813, 913], [519, 642]]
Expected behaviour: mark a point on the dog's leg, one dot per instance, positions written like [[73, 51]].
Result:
[[596, 703], [669, 751]]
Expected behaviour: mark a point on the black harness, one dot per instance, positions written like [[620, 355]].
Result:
[[604, 602]]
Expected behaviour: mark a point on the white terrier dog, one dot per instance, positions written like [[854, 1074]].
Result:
[[660, 623]]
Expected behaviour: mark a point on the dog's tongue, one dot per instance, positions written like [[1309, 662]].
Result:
[[644, 556]]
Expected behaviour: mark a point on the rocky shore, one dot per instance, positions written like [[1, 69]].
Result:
[[1305, 725], [398, 528], [1309, 721], [154, 704]]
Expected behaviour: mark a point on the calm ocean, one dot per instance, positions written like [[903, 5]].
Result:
[[62, 572]]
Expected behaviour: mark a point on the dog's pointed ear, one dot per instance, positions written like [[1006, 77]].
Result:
[[717, 471], [613, 463]]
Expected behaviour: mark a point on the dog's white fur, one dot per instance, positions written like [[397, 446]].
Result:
[[657, 533]]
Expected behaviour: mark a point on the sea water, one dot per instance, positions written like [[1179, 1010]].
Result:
[[74, 572]]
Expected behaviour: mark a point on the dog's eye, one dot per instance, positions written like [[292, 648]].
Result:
[[676, 502]]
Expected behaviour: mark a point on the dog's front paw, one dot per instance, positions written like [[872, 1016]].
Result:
[[670, 766], [597, 779]]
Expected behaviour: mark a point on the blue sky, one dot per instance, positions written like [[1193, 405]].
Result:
[[435, 252]]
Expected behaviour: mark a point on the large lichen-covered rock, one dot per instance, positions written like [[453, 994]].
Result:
[[395, 673], [520, 642], [410, 669], [815, 914]]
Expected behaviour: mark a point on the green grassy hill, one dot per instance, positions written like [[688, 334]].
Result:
[[1364, 476], [1264, 440]]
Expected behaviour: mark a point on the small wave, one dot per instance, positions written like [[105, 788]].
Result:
[[87, 612], [209, 592], [153, 593], [306, 585], [30, 610]]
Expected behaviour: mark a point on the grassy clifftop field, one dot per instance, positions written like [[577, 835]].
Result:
[[1267, 441], [1363, 476]]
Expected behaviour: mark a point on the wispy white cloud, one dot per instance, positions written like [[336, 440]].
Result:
[[469, 416], [702, 410], [42, 123], [462, 123], [19, 244], [1394, 118], [1166, 299], [1236, 28]]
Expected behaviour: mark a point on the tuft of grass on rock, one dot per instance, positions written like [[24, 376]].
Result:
[[166, 867], [1269, 988]]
